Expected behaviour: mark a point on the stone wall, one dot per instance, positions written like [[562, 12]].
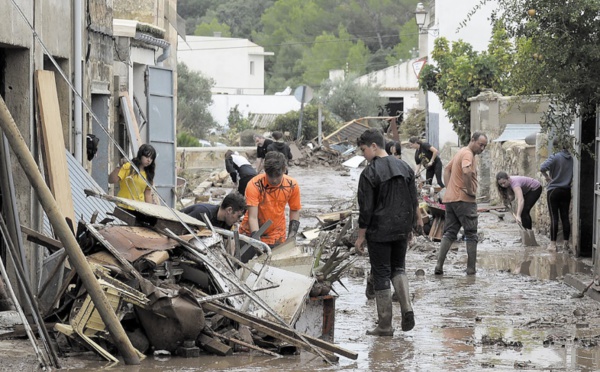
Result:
[[194, 158]]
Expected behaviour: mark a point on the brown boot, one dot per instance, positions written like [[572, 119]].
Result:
[[384, 313]]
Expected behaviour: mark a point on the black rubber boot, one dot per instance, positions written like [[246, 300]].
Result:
[[369, 290], [400, 283], [384, 313], [444, 248], [471, 257]]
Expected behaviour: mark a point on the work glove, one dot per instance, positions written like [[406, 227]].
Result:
[[293, 229]]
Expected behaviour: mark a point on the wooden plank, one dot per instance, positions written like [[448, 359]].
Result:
[[132, 126], [55, 160], [41, 239], [214, 346], [253, 322], [277, 330]]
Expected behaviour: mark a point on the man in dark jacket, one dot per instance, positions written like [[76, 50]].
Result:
[[261, 150], [387, 199], [280, 146], [239, 169], [224, 216]]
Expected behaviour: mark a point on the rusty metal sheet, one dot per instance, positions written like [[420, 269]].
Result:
[[148, 209], [133, 241]]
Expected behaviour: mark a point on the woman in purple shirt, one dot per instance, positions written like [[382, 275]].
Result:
[[526, 190]]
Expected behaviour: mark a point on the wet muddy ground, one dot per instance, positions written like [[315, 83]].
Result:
[[515, 314]]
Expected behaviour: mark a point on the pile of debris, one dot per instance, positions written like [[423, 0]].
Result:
[[175, 289]]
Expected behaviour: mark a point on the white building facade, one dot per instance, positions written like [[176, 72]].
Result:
[[443, 20], [236, 65]]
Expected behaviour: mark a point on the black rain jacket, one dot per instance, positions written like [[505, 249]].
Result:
[[387, 199]]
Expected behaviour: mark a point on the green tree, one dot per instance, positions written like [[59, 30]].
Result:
[[193, 99], [193, 10], [377, 22], [236, 121], [242, 16], [461, 73], [209, 28], [350, 100], [565, 52], [329, 52], [289, 122]]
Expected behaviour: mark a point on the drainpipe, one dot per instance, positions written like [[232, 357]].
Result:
[[78, 72], [165, 55], [161, 43]]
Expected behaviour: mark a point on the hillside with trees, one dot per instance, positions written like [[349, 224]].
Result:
[[311, 37]]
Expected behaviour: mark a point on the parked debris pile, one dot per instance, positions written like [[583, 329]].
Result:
[[175, 289]]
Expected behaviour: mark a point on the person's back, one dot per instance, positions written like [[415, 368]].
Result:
[[280, 146], [560, 165], [393, 181], [197, 210]]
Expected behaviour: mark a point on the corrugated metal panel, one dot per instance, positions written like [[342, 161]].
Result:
[[514, 132], [349, 132], [262, 120], [84, 206]]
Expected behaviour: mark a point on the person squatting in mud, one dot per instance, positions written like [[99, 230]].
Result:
[[389, 211], [239, 169], [460, 177], [525, 190], [266, 197]]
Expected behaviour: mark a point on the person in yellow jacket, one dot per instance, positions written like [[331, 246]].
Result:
[[131, 185]]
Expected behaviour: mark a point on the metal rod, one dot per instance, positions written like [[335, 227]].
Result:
[[43, 358], [28, 294], [77, 259]]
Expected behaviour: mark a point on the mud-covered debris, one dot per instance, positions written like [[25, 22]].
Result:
[[592, 341], [522, 365], [487, 340]]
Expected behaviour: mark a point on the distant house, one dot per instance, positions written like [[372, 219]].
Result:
[[236, 65], [398, 84]]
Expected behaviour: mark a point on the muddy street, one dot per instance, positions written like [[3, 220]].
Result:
[[516, 313]]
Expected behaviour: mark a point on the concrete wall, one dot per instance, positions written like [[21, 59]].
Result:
[[490, 112], [191, 159], [250, 104]]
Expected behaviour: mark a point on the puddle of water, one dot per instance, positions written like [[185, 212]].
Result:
[[537, 262]]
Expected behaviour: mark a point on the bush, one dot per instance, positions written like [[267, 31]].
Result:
[[414, 124], [185, 139], [247, 137], [289, 123]]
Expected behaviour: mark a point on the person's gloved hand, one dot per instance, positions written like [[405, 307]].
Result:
[[293, 229]]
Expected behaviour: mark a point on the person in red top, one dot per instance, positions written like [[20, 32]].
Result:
[[460, 177], [266, 197]]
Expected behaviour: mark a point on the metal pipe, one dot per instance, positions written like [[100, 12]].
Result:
[[77, 259], [42, 358], [78, 77]]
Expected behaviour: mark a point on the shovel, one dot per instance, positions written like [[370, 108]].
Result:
[[527, 236]]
